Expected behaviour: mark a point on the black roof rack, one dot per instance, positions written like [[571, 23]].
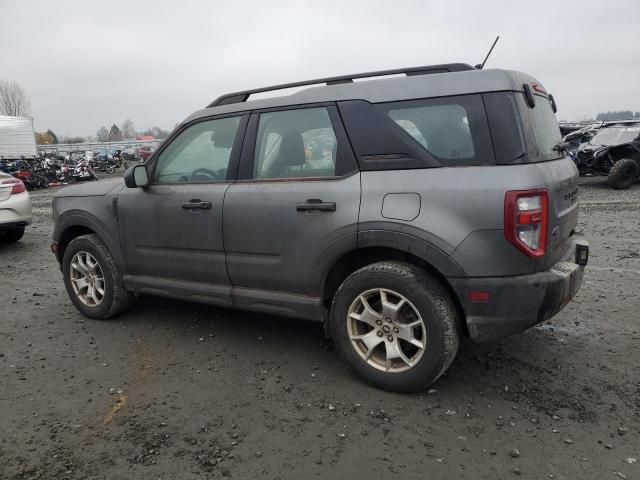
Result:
[[239, 97]]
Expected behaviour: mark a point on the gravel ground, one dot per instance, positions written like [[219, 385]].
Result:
[[176, 390]]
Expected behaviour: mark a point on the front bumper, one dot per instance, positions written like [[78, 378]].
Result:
[[520, 302]]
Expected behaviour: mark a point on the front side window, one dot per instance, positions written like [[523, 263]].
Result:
[[201, 153], [443, 130], [295, 143]]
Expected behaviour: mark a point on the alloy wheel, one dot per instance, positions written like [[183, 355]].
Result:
[[87, 279], [386, 330]]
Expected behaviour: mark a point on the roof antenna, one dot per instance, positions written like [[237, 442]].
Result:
[[480, 66]]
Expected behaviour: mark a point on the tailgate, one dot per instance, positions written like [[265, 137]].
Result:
[[561, 181]]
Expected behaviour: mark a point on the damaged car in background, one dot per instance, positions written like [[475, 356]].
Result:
[[612, 150]]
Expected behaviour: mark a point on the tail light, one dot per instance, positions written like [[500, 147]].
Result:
[[18, 186], [526, 220]]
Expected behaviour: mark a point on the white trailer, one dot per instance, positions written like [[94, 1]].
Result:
[[17, 138]]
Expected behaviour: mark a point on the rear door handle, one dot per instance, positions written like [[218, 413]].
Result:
[[196, 204], [316, 204]]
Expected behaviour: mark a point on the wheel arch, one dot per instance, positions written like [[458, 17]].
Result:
[[360, 257], [628, 150], [75, 224]]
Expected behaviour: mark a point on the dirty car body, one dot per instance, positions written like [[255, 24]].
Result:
[[447, 177]]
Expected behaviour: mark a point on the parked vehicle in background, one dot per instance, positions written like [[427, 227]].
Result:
[[15, 208], [83, 170], [103, 164], [613, 150], [347, 204], [145, 151], [17, 138], [130, 154], [579, 136], [31, 173]]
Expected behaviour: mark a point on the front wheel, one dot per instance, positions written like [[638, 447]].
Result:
[[92, 278], [110, 169], [395, 326]]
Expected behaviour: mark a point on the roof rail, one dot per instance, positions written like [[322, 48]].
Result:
[[239, 97]]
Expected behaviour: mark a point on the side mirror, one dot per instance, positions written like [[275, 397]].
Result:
[[136, 176]]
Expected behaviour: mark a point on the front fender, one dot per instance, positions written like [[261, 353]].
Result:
[[106, 231]]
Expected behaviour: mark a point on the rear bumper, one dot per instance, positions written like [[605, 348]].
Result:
[[519, 302], [15, 211]]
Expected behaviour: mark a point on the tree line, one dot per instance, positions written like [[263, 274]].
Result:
[[618, 115], [126, 131], [14, 102]]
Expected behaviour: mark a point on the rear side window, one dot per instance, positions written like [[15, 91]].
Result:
[[441, 129], [425, 133], [295, 143]]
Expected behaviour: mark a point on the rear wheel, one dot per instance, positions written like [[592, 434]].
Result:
[[92, 278], [395, 325], [11, 236], [624, 173]]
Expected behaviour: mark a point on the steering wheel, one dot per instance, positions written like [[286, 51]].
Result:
[[204, 172]]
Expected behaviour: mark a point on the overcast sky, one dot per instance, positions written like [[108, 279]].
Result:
[[85, 64]]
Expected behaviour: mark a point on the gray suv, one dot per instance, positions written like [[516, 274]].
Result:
[[402, 212]]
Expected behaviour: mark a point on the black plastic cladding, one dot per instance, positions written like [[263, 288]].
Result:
[[505, 126]]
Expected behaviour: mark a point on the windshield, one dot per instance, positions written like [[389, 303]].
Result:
[[616, 135]]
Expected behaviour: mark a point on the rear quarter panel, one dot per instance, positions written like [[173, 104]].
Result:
[[462, 211]]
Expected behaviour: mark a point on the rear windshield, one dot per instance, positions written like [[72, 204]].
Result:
[[546, 132]]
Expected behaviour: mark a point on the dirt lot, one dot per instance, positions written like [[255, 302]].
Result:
[[174, 390]]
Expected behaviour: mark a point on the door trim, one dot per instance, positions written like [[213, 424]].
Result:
[[247, 299], [179, 289]]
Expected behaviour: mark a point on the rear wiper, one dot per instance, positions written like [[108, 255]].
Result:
[[561, 147]]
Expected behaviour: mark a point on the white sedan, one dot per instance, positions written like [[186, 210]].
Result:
[[15, 208]]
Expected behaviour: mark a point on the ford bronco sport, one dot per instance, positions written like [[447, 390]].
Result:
[[403, 212]]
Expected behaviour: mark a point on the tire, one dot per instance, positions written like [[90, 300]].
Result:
[[624, 173], [115, 298], [12, 236], [425, 301], [110, 169]]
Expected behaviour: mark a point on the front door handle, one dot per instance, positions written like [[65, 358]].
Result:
[[316, 204], [196, 204]]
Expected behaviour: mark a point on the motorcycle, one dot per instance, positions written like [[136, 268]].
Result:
[[106, 165], [83, 171], [56, 171], [30, 175]]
